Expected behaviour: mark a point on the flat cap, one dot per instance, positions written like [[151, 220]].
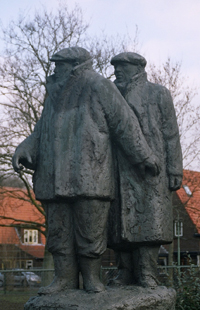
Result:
[[72, 54], [130, 57]]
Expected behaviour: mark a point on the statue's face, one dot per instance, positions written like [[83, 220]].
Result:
[[124, 71], [62, 70]]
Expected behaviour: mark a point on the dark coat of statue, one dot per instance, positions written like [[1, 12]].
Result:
[[84, 123], [71, 143], [146, 203], [141, 217]]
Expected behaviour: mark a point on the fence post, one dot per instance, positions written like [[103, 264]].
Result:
[[5, 284]]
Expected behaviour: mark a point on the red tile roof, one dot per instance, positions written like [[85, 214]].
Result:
[[22, 209], [34, 250], [8, 235], [191, 203], [16, 207]]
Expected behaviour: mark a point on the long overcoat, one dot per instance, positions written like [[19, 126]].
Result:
[[71, 146], [142, 211]]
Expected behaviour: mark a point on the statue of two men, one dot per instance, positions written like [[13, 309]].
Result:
[[88, 150]]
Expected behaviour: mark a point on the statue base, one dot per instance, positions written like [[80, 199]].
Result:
[[113, 298]]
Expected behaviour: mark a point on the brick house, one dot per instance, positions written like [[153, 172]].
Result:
[[20, 247], [23, 248], [186, 202]]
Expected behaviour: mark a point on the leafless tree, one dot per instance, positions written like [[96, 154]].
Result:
[[25, 65], [169, 74], [24, 68]]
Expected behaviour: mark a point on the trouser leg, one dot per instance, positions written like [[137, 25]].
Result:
[[90, 217], [91, 239], [125, 269], [137, 267], [60, 238], [60, 242], [145, 265]]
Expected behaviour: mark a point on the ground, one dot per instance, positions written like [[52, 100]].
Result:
[[6, 305], [14, 300]]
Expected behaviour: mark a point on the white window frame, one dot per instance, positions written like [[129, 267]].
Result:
[[29, 264], [30, 236], [180, 234]]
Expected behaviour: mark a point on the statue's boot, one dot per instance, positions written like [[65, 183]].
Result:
[[66, 275], [125, 269], [90, 269], [124, 277], [145, 266]]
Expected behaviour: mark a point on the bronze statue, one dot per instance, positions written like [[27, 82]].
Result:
[[141, 215], [84, 119]]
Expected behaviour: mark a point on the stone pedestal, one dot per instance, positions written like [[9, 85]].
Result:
[[116, 298]]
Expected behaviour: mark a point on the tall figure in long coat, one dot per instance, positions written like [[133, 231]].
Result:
[[141, 216], [71, 153]]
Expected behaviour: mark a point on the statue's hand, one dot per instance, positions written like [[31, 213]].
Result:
[[151, 165], [21, 159], [175, 182]]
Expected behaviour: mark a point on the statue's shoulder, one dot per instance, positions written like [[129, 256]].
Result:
[[99, 82], [157, 87], [159, 91]]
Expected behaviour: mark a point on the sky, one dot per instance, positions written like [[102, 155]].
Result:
[[167, 28]]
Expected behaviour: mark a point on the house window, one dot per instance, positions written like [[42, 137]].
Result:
[[30, 236], [29, 264], [187, 190], [178, 229]]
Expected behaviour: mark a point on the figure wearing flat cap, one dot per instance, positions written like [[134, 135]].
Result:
[[141, 221], [71, 153]]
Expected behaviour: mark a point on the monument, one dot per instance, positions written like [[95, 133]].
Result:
[[86, 136], [141, 215]]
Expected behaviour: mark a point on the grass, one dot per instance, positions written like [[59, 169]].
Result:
[[14, 300], [17, 296]]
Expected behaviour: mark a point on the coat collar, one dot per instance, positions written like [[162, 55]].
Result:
[[76, 71], [54, 88], [137, 80]]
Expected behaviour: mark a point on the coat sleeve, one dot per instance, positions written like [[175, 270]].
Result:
[[31, 145], [170, 134], [123, 124]]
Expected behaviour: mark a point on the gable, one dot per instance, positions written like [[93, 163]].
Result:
[[16, 208], [15, 203], [189, 195]]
